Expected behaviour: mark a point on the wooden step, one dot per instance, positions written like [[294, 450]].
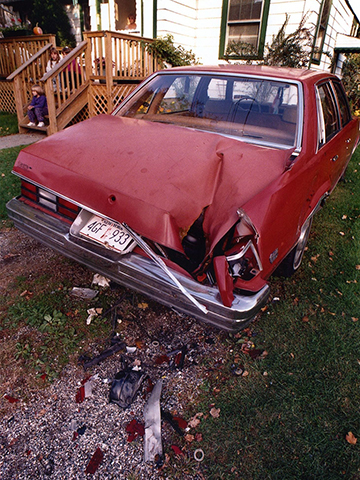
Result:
[[35, 127]]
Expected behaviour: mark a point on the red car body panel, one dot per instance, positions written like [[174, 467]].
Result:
[[160, 178], [163, 199]]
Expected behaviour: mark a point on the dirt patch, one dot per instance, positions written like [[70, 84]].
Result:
[[22, 256]]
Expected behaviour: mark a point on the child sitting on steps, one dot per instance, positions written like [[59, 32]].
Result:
[[38, 107]]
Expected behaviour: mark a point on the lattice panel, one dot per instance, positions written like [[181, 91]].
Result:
[[79, 117], [119, 92], [99, 98], [7, 98]]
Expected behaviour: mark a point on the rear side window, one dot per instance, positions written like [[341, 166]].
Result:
[[343, 104], [328, 121]]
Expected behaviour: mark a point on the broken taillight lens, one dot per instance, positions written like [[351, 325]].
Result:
[[242, 257]]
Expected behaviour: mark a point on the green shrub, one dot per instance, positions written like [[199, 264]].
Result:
[[291, 50], [351, 79], [165, 50]]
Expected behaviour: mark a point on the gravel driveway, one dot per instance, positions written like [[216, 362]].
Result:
[[51, 435]]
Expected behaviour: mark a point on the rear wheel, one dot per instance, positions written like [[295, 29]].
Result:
[[292, 261]]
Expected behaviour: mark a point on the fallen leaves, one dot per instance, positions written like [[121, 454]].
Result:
[[350, 438], [195, 421], [215, 412]]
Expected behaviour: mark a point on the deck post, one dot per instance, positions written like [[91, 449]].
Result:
[[108, 71], [50, 97], [20, 100], [88, 74]]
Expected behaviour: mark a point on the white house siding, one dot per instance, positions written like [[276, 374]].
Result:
[[340, 21], [179, 19], [195, 24], [208, 31]]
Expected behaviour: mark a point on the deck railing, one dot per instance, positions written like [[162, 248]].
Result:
[[90, 80], [65, 88], [119, 57], [16, 51], [27, 75]]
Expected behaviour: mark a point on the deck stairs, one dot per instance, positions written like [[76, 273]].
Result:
[[95, 76]]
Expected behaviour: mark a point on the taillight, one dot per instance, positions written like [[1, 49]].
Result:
[[28, 190], [49, 201], [67, 208]]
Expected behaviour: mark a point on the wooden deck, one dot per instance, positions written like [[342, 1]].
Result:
[[92, 79]]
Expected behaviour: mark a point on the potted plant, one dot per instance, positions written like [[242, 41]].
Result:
[[15, 29]]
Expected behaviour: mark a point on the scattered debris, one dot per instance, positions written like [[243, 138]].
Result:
[[199, 455], [237, 370], [177, 423], [100, 281], [85, 293], [134, 429], [116, 347], [125, 387], [95, 461], [84, 391], [130, 349], [175, 358], [93, 313], [11, 399], [153, 450], [176, 450]]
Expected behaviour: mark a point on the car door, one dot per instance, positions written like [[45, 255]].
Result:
[[349, 130], [329, 148], [336, 130]]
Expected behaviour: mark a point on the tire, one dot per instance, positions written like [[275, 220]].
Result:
[[292, 261]]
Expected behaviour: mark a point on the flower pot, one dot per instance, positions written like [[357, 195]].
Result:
[[16, 33]]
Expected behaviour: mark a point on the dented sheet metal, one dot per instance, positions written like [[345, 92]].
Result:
[[152, 184]]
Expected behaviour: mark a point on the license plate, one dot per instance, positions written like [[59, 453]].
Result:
[[108, 233]]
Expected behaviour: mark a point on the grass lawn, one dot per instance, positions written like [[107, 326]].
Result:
[[290, 415], [9, 183], [8, 124]]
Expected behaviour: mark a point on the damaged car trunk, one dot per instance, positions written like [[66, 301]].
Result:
[[171, 207]]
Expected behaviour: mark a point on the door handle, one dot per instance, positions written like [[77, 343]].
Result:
[[335, 158], [348, 140]]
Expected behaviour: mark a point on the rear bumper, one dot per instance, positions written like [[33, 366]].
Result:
[[137, 272]]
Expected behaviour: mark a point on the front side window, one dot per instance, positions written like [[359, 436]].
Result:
[[252, 109], [321, 30], [243, 28]]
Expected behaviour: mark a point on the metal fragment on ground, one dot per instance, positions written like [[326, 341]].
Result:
[[125, 387], [152, 415], [101, 281], [85, 293], [95, 461]]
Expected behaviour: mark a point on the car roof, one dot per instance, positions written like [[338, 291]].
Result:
[[300, 74]]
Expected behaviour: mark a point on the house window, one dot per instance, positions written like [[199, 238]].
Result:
[[321, 30], [243, 28]]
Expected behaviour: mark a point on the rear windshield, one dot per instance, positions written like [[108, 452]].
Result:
[[254, 109]]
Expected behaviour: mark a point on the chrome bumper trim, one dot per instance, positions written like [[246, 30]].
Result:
[[137, 272]]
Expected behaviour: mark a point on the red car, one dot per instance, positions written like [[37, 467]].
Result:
[[200, 185]]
